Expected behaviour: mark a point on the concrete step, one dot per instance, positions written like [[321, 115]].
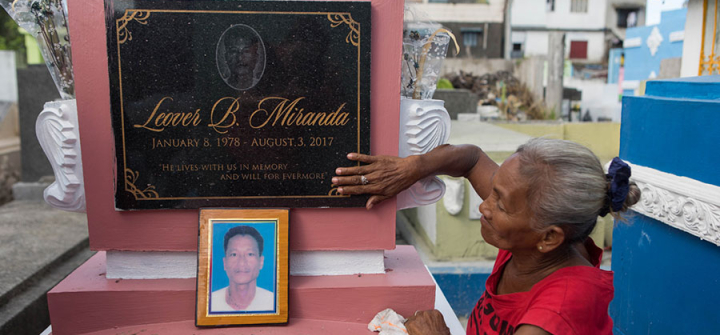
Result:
[[27, 311], [86, 301], [294, 327]]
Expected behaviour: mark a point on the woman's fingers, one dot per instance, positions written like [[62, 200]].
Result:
[[357, 189], [351, 180], [382, 178], [352, 170], [351, 190], [354, 156]]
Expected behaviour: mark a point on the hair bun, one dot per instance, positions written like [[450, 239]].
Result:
[[633, 196]]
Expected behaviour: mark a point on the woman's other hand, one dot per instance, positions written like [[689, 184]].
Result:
[[427, 323], [385, 176]]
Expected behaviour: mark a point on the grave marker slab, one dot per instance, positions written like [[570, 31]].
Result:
[[243, 103]]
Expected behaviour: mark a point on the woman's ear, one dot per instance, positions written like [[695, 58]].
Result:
[[552, 238]]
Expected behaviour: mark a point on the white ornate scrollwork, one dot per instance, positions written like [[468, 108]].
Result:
[[57, 130], [683, 203], [424, 125]]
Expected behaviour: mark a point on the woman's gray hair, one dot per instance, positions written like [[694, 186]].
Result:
[[567, 186]]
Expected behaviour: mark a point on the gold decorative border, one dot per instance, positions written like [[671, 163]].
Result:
[[353, 36], [131, 178], [141, 16], [334, 191], [138, 16]]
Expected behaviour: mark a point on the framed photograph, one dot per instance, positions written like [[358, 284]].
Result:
[[242, 267]]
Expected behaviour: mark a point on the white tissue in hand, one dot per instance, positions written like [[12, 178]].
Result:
[[388, 322]]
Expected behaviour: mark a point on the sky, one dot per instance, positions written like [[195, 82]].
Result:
[[654, 7]]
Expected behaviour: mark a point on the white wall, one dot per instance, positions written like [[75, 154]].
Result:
[[8, 77], [536, 43], [533, 13], [528, 13], [427, 218], [562, 17], [656, 7], [440, 12], [693, 39], [597, 96]]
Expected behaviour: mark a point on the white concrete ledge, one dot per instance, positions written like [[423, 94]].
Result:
[[151, 264], [630, 84], [160, 264], [334, 263]]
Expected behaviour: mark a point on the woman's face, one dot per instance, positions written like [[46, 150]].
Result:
[[506, 215]]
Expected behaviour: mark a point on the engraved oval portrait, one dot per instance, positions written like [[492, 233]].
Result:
[[240, 57]]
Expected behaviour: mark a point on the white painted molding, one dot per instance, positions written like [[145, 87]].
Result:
[[632, 42], [424, 125], [677, 36], [57, 130], [684, 203], [455, 195], [630, 84], [166, 264]]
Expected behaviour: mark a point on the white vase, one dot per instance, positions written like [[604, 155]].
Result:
[[424, 125]]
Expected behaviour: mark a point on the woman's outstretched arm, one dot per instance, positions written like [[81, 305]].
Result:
[[387, 175]]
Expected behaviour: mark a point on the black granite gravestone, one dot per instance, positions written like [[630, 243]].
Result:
[[237, 103]]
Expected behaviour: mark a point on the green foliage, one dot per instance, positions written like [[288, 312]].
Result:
[[552, 115], [444, 84], [10, 36]]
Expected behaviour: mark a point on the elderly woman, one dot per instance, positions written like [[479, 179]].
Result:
[[539, 208]]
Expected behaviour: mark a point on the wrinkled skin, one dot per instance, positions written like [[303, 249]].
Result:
[[387, 176]]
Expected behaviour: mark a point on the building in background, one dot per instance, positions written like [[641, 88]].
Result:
[[621, 15], [654, 51], [478, 25], [591, 27]]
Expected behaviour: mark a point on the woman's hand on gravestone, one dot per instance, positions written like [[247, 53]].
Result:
[[383, 177], [427, 323]]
